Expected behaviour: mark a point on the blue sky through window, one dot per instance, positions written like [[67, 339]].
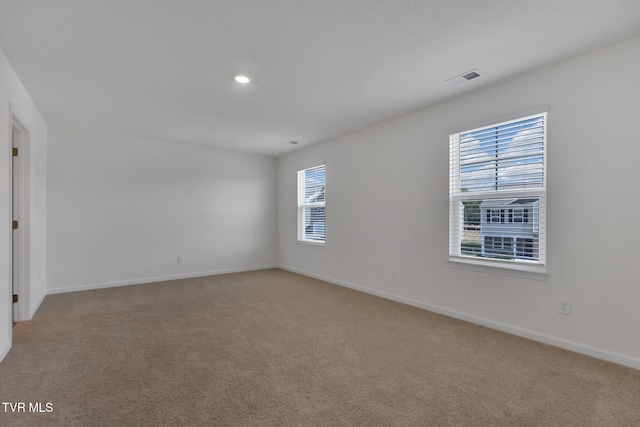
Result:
[[507, 156], [314, 184]]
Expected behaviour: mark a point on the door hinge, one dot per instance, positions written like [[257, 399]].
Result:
[[15, 225], [15, 298], [15, 151]]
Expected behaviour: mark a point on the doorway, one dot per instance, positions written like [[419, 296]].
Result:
[[21, 220]]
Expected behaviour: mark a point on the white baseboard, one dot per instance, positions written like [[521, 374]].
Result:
[[140, 281], [4, 352], [37, 306], [535, 336]]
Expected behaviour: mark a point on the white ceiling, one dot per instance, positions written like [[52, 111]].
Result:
[[320, 68]]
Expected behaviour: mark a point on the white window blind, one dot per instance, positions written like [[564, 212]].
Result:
[[497, 194], [311, 209]]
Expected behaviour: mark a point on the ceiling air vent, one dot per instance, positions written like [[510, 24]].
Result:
[[463, 78], [471, 75]]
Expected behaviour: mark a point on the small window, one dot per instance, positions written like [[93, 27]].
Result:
[[526, 248], [498, 247], [311, 210], [498, 175], [518, 215]]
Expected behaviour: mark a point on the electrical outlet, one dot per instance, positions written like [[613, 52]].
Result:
[[564, 306], [179, 259]]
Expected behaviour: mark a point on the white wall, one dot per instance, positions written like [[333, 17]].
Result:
[[387, 208], [15, 99], [123, 208]]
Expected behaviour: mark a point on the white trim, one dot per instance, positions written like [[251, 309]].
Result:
[[7, 322], [499, 194], [535, 336], [321, 243], [103, 285], [22, 308], [488, 265], [507, 122], [37, 306], [4, 352], [457, 198], [505, 118], [302, 205]]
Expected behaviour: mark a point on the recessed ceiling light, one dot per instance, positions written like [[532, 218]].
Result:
[[242, 79]]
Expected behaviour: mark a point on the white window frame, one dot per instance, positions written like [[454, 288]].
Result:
[[519, 217], [456, 197], [305, 205]]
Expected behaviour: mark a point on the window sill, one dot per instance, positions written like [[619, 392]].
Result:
[[532, 271], [310, 243]]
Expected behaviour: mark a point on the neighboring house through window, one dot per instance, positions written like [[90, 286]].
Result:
[[497, 194], [311, 211]]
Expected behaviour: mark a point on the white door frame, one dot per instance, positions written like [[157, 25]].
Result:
[[22, 235]]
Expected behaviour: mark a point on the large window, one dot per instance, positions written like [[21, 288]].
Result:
[[311, 215], [497, 194]]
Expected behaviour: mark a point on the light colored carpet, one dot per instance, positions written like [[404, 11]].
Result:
[[275, 348]]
